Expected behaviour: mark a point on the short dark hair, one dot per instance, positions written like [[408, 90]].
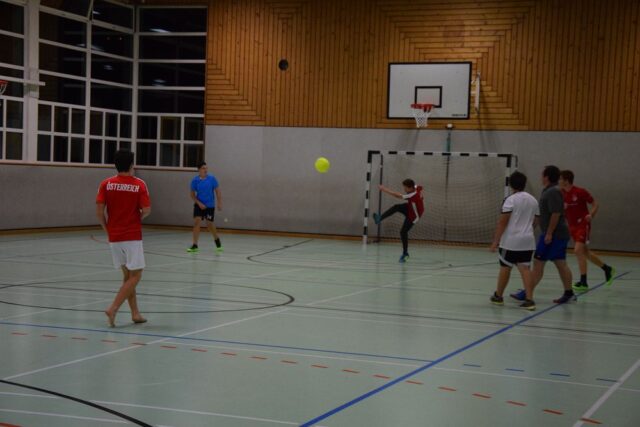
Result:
[[408, 183], [552, 173], [201, 164], [518, 181], [567, 175], [123, 160]]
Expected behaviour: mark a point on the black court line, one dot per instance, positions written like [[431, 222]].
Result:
[[81, 401]]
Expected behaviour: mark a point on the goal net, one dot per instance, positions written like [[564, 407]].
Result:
[[463, 193]]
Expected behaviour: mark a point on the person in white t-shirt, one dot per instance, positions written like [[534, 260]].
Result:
[[514, 239]]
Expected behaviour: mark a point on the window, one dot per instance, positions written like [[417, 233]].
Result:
[[112, 13], [11, 18], [91, 103]]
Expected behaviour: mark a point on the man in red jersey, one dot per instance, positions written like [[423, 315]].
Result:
[[412, 211], [127, 202], [576, 208]]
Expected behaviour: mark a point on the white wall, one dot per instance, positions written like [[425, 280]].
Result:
[[269, 183]]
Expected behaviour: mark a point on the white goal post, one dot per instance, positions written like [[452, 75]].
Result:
[[463, 192]]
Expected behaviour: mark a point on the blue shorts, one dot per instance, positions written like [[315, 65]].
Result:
[[556, 250]]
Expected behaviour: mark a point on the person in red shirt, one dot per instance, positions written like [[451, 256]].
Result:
[[126, 201], [412, 211], [577, 201]]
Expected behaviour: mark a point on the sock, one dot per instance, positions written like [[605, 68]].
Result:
[[583, 279], [218, 244]]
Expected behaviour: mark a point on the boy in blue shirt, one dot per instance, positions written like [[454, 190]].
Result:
[[204, 192]]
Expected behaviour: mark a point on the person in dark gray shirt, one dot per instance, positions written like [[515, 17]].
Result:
[[552, 243]]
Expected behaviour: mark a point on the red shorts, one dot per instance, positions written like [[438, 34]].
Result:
[[580, 233]]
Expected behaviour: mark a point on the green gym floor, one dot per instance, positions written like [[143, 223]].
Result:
[[299, 331]]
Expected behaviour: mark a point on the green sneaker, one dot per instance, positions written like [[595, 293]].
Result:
[[219, 249], [580, 287], [193, 249], [609, 275]]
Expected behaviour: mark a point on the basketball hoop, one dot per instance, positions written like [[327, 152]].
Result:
[[3, 86], [421, 113]]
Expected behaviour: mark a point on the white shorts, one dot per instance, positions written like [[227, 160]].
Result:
[[129, 254]]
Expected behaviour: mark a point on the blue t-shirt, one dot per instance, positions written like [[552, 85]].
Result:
[[204, 189]]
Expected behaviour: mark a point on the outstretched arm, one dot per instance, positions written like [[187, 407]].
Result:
[[390, 192]]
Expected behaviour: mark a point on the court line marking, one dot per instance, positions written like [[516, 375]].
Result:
[[441, 359], [51, 414], [486, 329], [608, 394], [162, 408]]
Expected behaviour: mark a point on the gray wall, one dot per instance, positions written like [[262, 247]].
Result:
[[48, 196], [269, 183]]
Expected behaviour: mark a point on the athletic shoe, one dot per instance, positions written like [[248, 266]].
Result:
[[376, 218], [568, 296], [219, 249], [519, 295], [609, 275], [495, 299], [528, 305], [193, 249], [580, 287], [403, 258]]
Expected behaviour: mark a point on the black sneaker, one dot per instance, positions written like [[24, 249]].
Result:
[[528, 305], [580, 287], [193, 248], [609, 274], [495, 299], [566, 297]]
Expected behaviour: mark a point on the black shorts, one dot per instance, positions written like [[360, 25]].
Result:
[[207, 213], [510, 259]]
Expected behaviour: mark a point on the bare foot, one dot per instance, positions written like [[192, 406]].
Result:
[[111, 319], [139, 319]]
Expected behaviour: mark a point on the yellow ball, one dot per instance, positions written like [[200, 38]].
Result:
[[322, 165]]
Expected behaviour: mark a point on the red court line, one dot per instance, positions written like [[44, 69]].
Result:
[[18, 333], [319, 366], [447, 389], [229, 354], [382, 376], [8, 425], [110, 341], [552, 411], [79, 338], [172, 347], [511, 402], [590, 421], [484, 396], [201, 350], [414, 382], [259, 357], [49, 336], [138, 343], [289, 361], [351, 371]]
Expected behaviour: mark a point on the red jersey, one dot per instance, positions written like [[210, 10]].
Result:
[[576, 205], [124, 196], [416, 204]]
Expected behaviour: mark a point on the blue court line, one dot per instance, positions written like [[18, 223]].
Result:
[[559, 374], [473, 366], [173, 337], [439, 360], [514, 369]]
